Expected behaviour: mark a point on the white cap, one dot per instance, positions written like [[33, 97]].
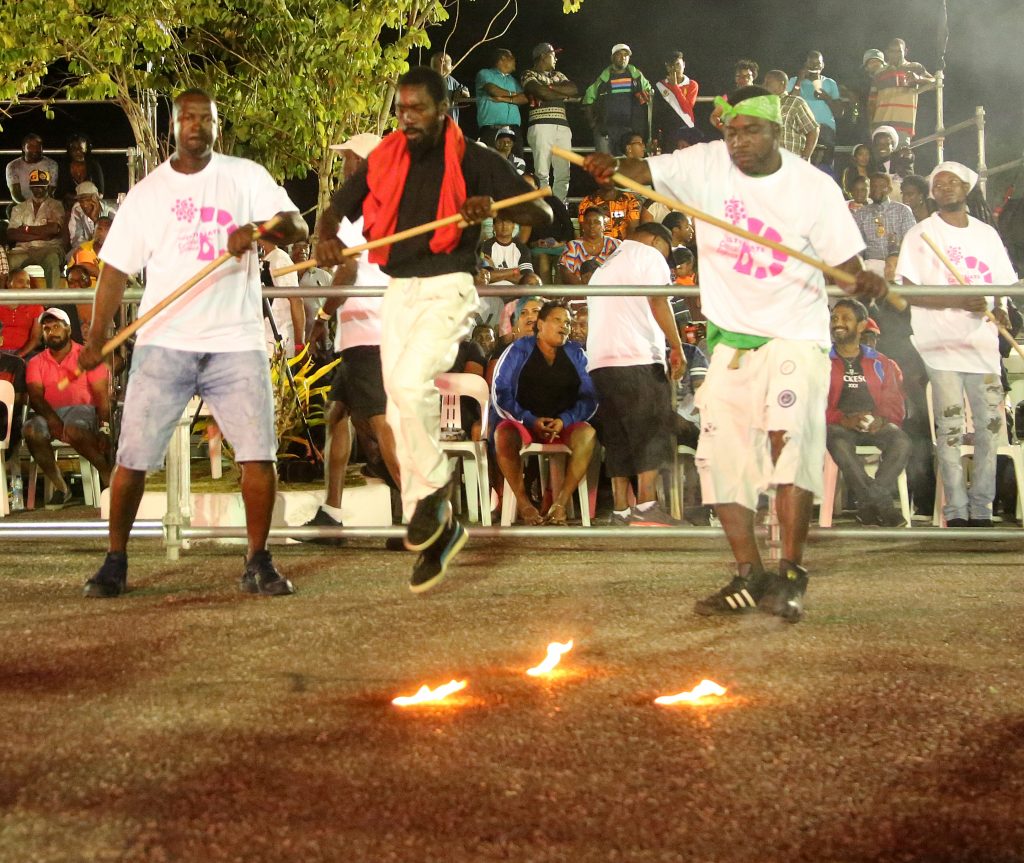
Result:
[[955, 168], [622, 46], [894, 136], [59, 314], [362, 144], [86, 188]]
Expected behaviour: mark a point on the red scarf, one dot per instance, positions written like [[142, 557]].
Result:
[[386, 172]]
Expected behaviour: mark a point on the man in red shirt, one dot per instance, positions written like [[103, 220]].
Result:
[[72, 415]]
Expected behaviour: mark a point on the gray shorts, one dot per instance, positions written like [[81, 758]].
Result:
[[234, 385], [83, 416]]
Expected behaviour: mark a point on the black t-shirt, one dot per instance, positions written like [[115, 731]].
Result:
[[506, 257], [485, 173], [855, 397], [547, 391]]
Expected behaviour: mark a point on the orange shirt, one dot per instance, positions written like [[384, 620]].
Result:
[[44, 370]]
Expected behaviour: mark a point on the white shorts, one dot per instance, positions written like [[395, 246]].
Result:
[[782, 386]]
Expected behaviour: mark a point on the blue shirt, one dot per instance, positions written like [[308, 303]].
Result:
[[819, 107], [489, 112]]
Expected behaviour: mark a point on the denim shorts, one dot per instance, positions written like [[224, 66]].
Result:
[[83, 416], [234, 385]]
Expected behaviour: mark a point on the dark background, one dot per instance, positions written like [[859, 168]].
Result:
[[983, 65]]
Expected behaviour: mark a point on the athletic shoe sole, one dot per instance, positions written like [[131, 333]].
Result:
[[441, 525], [448, 554]]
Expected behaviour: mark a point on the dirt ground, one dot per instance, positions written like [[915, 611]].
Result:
[[188, 722]]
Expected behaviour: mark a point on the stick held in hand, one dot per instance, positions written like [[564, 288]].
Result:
[[425, 228]]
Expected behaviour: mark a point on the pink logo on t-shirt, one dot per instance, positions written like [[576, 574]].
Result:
[[204, 241], [751, 258], [972, 268]]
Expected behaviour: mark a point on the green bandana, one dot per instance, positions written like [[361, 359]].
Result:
[[766, 107]]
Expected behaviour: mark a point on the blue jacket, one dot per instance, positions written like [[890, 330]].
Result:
[[505, 386]]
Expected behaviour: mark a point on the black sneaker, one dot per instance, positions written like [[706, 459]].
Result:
[[957, 522], [891, 517], [261, 576], [979, 522], [429, 519], [868, 514], [784, 596], [59, 499], [431, 565], [322, 519], [111, 579], [739, 596]]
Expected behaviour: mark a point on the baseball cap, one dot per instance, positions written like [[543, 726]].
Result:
[[955, 168], [621, 46], [362, 144], [872, 54], [54, 312], [86, 188], [504, 132], [542, 48], [39, 177], [872, 327]]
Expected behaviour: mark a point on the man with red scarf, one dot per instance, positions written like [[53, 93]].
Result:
[[422, 172]]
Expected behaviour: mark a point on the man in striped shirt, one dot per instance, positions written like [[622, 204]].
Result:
[[799, 128]]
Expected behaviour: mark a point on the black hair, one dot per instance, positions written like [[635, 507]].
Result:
[[437, 55], [749, 92], [681, 255], [424, 76], [655, 229], [881, 174], [675, 55], [776, 73], [860, 311], [198, 92], [502, 52], [597, 210], [550, 306], [80, 136], [674, 220], [747, 64], [915, 181], [31, 136], [629, 136]]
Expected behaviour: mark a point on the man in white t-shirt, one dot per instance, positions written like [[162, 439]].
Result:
[[626, 360], [959, 345], [763, 403], [193, 208], [357, 390], [289, 313]]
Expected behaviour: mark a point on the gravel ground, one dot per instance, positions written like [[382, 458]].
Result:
[[187, 722]]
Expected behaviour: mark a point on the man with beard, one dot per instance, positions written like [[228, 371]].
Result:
[[190, 210], [762, 405], [422, 172], [72, 415]]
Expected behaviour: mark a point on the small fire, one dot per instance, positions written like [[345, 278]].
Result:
[[426, 695], [555, 652], [702, 690]]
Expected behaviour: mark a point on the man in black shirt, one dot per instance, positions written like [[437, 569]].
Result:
[[422, 172]]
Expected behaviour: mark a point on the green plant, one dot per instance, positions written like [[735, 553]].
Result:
[[306, 399]]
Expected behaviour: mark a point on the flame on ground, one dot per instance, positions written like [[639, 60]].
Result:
[[702, 690], [555, 652], [426, 695]]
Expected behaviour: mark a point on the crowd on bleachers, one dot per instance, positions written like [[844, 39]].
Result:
[[538, 356]]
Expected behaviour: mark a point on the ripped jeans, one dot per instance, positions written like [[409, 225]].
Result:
[[984, 393]]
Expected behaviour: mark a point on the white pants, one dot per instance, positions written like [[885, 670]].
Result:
[[541, 139], [422, 320]]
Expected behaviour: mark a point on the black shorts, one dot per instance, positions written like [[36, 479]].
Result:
[[358, 382], [634, 418]]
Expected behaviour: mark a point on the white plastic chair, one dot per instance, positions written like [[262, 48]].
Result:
[[1013, 451], [6, 398], [831, 482], [471, 455], [553, 457]]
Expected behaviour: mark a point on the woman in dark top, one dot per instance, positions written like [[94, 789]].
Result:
[[77, 167], [543, 394]]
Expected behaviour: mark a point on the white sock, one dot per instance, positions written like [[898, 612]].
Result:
[[622, 512], [643, 507], [333, 511]]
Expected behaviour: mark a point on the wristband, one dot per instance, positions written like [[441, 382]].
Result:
[[321, 315]]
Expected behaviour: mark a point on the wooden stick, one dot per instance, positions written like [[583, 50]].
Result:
[[419, 229], [941, 255], [120, 338], [673, 204]]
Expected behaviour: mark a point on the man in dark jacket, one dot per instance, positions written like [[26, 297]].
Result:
[[618, 101], [865, 408]]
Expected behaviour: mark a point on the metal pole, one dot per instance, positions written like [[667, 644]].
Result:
[[940, 117], [979, 116]]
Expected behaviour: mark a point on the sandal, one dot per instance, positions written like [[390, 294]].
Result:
[[531, 517], [556, 515]]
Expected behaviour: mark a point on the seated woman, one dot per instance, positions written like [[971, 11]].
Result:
[[543, 394]]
